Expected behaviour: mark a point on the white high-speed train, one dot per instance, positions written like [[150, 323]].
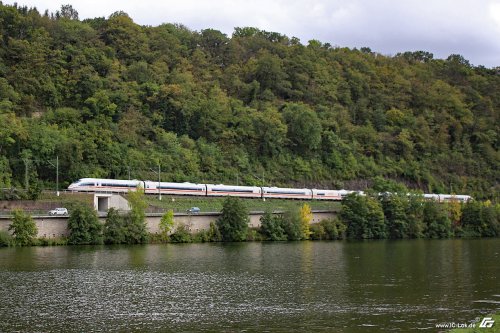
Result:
[[151, 187]]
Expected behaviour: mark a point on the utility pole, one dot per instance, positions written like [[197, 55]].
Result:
[[128, 167], [159, 180]]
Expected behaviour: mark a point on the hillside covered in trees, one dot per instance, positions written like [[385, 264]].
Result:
[[111, 98]]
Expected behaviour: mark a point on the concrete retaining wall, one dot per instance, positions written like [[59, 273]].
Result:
[[57, 226]]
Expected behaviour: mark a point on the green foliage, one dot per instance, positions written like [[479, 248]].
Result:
[[233, 222], [395, 211], [181, 235], [305, 220], [84, 226], [254, 235], [52, 241], [214, 234], [304, 128], [135, 220], [292, 224], [387, 185], [480, 219], [6, 239], [166, 223], [115, 230], [328, 229], [436, 221], [318, 232], [414, 216], [271, 227], [23, 228], [108, 96], [34, 191], [363, 216]]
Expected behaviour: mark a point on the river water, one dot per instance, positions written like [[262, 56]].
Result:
[[372, 286]]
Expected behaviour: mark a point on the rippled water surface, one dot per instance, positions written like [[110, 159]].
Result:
[[252, 287]]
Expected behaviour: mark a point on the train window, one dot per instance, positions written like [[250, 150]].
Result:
[[181, 188], [287, 192], [230, 190]]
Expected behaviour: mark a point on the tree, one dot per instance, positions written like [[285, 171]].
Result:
[[115, 230], [166, 223], [491, 219], [306, 217], [84, 226], [471, 219], [304, 128], [334, 228], [455, 213], [68, 12], [414, 216], [23, 228], [436, 221], [293, 224], [395, 209], [363, 216], [181, 235], [271, 227], [213, 234], [136, 218], [233, 222]]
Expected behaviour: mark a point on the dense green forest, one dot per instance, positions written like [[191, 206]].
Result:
[[110, 98]]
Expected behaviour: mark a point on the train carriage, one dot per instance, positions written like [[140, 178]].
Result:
[[234, 191], [326, 195], [286, 193], [105, 185], [175, 188]]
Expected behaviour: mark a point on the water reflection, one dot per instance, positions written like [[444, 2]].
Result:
[[279, 287]]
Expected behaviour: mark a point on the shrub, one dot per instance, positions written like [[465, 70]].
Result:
[[490, 219], [253, 235], [233, 222], [23, 229], [436, 220], [305, 221], [166, 224], [52, 241], [5, 239], [214, 234], [201, 237], [181, 235], [292, 224], [328, 229], [135, 221], [318, 232], [363, 216], [271, 227], [84, 226], [115, 230]]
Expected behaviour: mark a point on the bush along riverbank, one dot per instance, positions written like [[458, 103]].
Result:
[[361, 217]]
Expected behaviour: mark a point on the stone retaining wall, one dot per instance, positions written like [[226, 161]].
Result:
[[57, 226]]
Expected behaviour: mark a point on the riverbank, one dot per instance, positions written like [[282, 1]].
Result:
[[360, 217]]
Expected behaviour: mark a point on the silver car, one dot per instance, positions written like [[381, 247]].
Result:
[[58, 211]]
